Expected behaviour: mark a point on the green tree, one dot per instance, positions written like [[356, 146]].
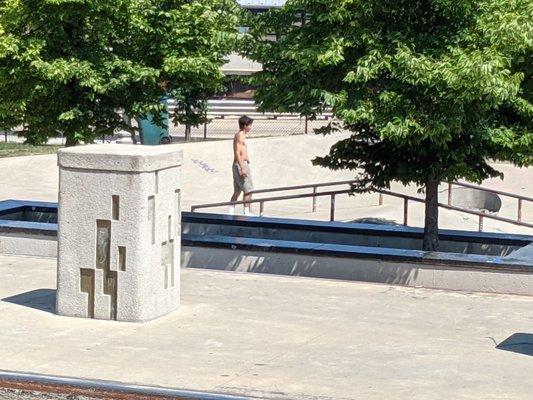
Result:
[[432, 90], [76, 67]]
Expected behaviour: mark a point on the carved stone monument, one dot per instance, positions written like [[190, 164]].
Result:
[[119, 232]]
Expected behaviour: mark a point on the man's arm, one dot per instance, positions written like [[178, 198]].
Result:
[[239, 153]]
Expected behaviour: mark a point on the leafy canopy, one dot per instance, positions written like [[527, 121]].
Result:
[[431, 89], [68, 66]]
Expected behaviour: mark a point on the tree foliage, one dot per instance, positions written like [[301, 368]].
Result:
[[68, 66], [431, 89]]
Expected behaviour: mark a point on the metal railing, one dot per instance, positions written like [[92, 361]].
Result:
[[406, 199]]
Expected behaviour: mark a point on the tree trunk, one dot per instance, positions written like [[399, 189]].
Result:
[[187, 132], [130, 129], [431, 225], [70, 142]]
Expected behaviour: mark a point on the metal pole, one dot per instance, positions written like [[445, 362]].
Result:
[[405, 210], [306, 125], [480, 228], [519, 210], [314, 198], [381, 199], [449, 193], [332, 209], [261, 208], [205, 130]]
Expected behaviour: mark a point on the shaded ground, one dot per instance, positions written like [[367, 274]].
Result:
[[19, 149]]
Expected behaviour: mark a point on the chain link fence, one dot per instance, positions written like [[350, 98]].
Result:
[[223, 123], [217, 128], [220, 128]]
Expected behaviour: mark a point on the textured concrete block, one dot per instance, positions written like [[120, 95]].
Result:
[[352, 269], [426, 275], [119, 233], [28, 244], [480, 280]]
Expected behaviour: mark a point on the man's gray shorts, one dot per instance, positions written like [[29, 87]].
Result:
[[242, 183]]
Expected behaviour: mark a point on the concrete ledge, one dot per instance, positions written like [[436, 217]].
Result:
[[125, 158], [371, 230], [24, 244], [354, 252], [27, 238], [509, 273], [356, 263]]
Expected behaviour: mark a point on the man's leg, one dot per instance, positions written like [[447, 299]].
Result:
[[247, 198], [248, 187], [234, 197]]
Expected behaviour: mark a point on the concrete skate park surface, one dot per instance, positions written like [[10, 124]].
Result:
[[280, 338], [274, 336], [278, 161]]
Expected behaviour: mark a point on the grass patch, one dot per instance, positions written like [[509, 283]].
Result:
[[19, 149]]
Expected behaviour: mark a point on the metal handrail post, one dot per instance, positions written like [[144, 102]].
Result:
[[314, 198], [480, 227], [205, 130], [380, 199], [519, 210], [405, 210], [449, 193], [332, 209], [261, 208]]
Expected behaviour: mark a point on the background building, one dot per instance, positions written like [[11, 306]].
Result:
[[239, 66]]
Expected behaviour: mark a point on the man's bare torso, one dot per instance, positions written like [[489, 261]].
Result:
[[240, 150]]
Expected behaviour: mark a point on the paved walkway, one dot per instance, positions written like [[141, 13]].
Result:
[[279, 161], [280, 338]]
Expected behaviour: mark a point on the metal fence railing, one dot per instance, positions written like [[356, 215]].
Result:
[[227, 127], [220, 128], [333, 194], [223, 116]]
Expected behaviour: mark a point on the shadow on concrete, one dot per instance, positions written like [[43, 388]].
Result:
[[307, 266], [521, 343], [40, 299], [374, 220]]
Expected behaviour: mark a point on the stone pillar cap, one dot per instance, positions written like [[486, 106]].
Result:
[[124, 157]]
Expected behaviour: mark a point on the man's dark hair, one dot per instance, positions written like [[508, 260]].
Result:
[[245, 121]]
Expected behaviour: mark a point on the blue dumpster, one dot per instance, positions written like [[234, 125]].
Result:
[[151, 133]]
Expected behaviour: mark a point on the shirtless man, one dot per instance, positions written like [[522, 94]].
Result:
[[242, 177]]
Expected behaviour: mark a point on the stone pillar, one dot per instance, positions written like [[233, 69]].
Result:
[[119, 231]]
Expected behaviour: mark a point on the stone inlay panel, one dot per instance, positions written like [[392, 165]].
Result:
[[122, 258], [151, 217], [87, 286], [103, 262], [177, 210], [167, 262], [115, 207]]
